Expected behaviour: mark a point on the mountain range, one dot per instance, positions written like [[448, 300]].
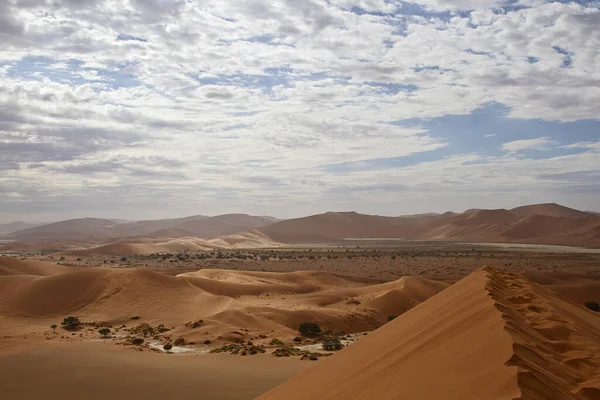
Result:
[[541, 223]]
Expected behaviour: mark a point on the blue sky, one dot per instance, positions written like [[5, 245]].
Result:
[[138, 109]]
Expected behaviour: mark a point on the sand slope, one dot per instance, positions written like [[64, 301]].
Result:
[[127, 247], [227, 300], [492, 335]]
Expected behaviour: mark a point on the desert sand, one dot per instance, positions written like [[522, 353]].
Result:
[[493, 335], [230, 292]]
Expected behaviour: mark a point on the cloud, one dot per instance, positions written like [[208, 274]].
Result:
[[538, 144], [92, 93]]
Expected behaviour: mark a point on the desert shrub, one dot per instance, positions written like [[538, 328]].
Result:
[[179, 341], [593, 305], [53, 327], [104, 331], [137, 341], [135, 317], [207, 341], [167, 347], [71, 323], [297, 339], [332, 343], [276, 342], [309, 329], [123, 259], [391, 317]]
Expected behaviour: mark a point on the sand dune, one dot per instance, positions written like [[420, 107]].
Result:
[[227, 300], [127, 247], [15, 266], [197, 226], [578, 287], [544, 223], [492, 335]]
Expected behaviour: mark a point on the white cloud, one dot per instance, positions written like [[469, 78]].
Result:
[[542, 143], [255, 99]]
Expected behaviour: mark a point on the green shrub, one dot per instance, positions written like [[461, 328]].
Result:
[[71, 323], [309, 329], [593, 305], [167, 347], [332, 343], [276, 342], [104, 332]]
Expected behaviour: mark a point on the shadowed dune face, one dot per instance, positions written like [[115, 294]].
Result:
[[492, 335], [226, 300]]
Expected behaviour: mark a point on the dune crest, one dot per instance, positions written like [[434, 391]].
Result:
[[492, 335], [225, 299]]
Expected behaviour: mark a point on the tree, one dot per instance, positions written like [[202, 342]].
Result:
[[593, 305], [104, 332], [309, 329], [71, 323], [53, 327], [167, 347], [332, 343]]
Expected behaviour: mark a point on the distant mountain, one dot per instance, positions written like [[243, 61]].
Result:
[[14, 227], [543, 223], [71, 229], [197, 225]]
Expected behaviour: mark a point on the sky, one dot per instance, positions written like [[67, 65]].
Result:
[[162, 108]]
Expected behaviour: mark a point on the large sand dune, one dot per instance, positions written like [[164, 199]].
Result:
[[543, 223], [226, 300], [197, 225], [126, 247], [492, 335]]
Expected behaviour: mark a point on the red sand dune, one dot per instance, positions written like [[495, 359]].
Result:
[[543, 223], [227, 300], [492, 335]]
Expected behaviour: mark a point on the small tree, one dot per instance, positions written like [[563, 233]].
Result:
[[167, 347], [104, 332], [332, 343], [309, 329], [593, 305], [53, 327], [71, 323]]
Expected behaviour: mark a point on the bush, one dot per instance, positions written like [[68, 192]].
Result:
[[53, 327], [297, 339], [276, 342], [179, 341], [332, 343], [309, 329], [137, 341], [593, 305], [71, 323], [104, 331], [167, 347]]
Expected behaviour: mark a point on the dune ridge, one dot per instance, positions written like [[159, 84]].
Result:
[[226, 300], [492, 335]]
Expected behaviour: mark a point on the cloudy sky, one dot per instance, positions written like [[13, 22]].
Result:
[[159, 108]]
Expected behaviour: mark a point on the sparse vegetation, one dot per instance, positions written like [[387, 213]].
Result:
[[53, 327], [71, 323], [332, 343], [104, 332], [309, 329], [593, 305], [276, 342], [167, 347]]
